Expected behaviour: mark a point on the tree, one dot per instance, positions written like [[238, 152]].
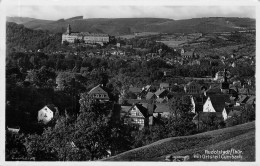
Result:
[[181, 123], [15, 150], [181, 106], [92, 128]]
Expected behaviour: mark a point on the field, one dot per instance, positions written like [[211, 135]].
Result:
[[240, 137], [173, 43], [138, 35]]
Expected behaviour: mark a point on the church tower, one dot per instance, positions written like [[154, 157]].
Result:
[[68, 29], [225, 84]]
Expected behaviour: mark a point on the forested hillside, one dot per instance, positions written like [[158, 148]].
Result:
[[21, 38], [123, 26]]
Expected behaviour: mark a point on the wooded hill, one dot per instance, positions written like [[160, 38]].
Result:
[[123, 26]]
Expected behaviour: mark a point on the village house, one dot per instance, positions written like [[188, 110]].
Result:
[[162, 110], [165, 86], [219, 76], [214, 110], [192, 88], [13, 130], [99, 93], [138, 114], [46, 114], [150, 96], [242, 99], [135, 90], [161, 93], [232, 111]]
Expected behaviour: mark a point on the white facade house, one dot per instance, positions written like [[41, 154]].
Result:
[[208, 107], [46, 114], [193, 105], [224, 114], [217, 105]]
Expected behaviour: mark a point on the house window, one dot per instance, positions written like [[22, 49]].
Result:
[[133, 113]]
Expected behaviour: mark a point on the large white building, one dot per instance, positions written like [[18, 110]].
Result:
[[88, 37]]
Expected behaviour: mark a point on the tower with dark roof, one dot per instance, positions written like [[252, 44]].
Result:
[[68, 29], [225, 84]]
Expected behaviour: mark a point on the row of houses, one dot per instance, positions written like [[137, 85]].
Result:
[[221, 107], [219, 100], [139, 111]]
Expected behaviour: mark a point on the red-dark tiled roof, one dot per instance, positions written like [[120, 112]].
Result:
[[219, 102], [135, 89], [149, 95], [162, 108], [98, 90]]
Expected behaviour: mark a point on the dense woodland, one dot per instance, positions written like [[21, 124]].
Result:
[[31, 81]]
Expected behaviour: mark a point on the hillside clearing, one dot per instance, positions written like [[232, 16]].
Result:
[[240, 137]]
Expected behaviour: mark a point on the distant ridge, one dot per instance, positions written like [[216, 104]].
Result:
[[19, 20], [125, 26], [75, 18]]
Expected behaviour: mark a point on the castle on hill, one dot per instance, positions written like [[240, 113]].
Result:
[[88, 37]]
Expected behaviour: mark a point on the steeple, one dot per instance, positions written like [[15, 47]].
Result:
[[68, 29], [225, 84]]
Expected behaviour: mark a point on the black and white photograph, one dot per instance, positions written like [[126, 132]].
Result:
[[105, 82]]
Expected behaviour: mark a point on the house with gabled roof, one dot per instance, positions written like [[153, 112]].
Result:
[[46, 114], [192, 88], [251, 101], [165, 85], [138, 114], [242, 99], [99, 93], [188, 54], [161, 93], [150, 96], [213, 109], [216, 103], [232, 111], [162, 110]]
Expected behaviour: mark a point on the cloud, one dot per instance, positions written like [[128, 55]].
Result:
[[173, 12]]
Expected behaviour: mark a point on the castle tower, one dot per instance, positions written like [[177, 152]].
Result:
[[68, 29]]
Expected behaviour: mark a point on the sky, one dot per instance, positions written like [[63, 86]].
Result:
[[55, 11]]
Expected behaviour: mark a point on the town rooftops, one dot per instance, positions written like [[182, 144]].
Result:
[[251, 100], [134, 101], [188, 53], [160, 108], [242, 99], [146, 88], [97, 89], [159, 92], [149, 95], [164, 85], [142, 109], [135, 89]]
